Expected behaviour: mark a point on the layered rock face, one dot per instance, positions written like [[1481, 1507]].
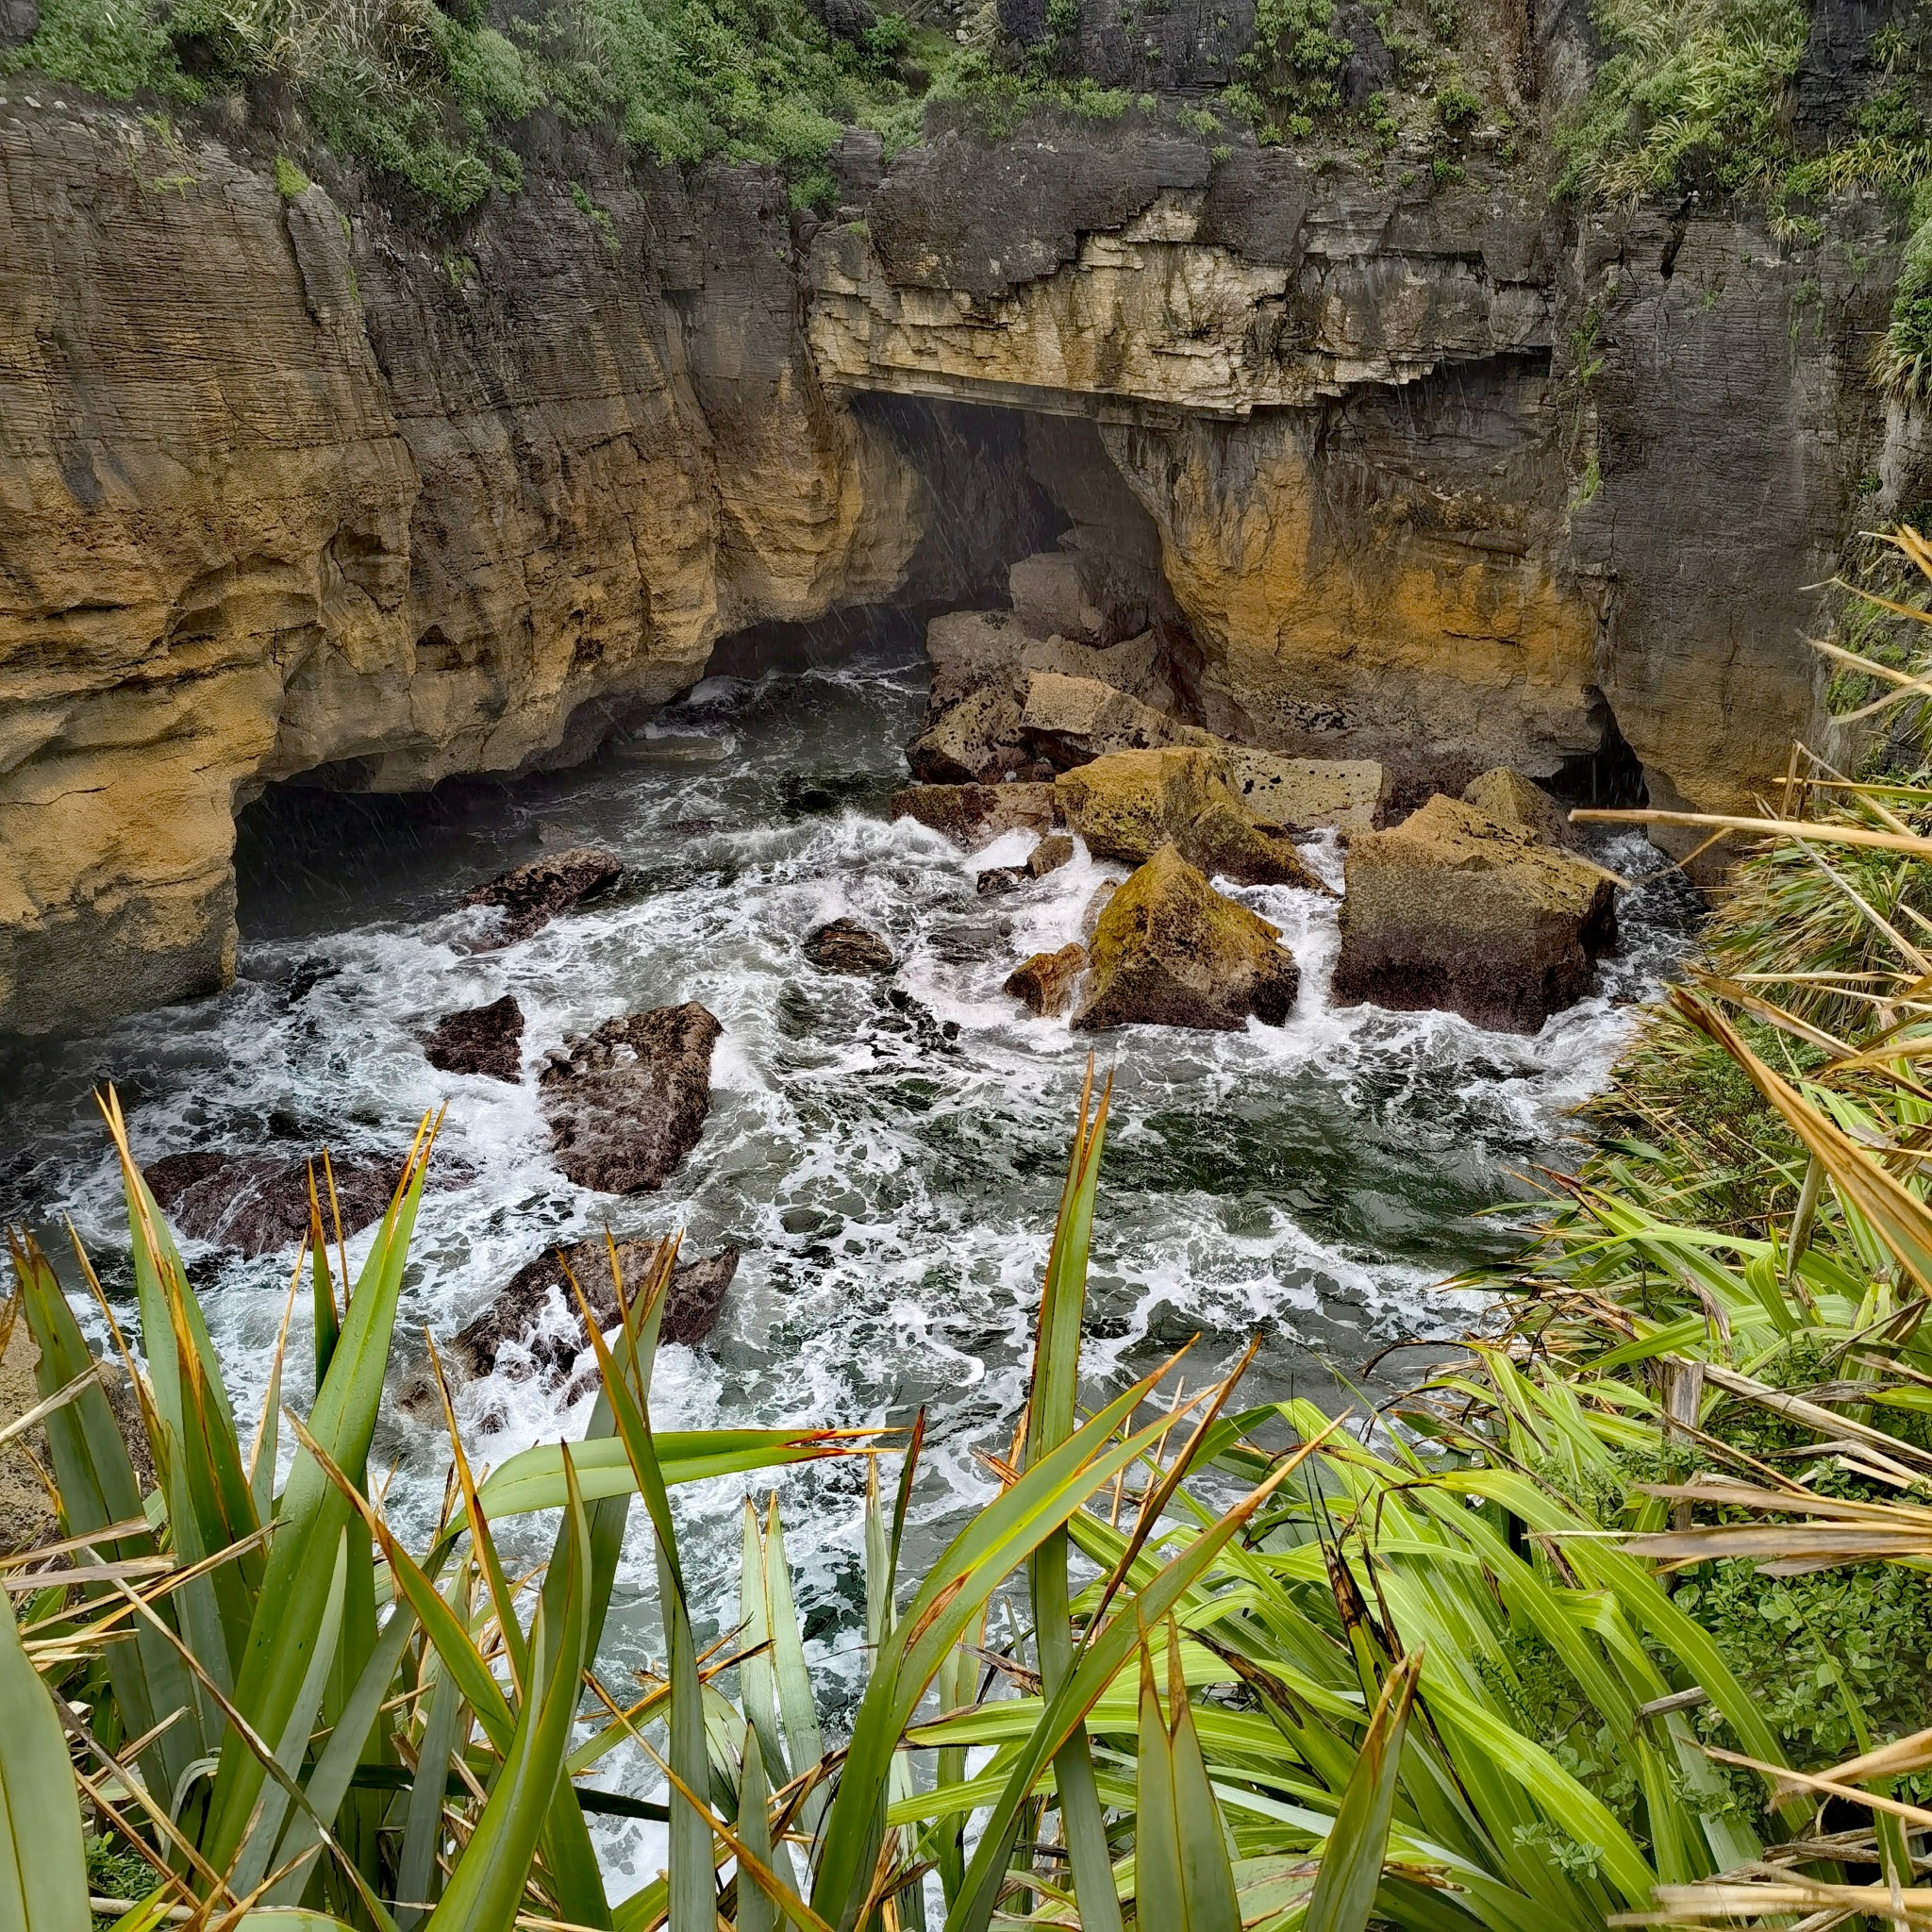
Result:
[[284, 485]]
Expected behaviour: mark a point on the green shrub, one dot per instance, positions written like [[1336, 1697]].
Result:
[[1290, 75], [1456, 107]]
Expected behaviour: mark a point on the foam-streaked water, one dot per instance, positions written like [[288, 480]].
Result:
[[887, 1154]]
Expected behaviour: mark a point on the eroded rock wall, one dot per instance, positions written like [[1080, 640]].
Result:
[[284, 485]]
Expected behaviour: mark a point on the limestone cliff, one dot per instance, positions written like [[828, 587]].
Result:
[[1431, 467], [286, 486]]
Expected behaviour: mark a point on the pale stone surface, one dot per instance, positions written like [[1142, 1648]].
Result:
[[1516, 802], [1081, 718], [1305, 795]]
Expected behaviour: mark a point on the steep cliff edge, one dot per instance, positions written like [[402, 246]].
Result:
[[1418, 460]]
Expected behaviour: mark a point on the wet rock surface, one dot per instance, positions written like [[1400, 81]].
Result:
[[1128, 805], [257, 1203], [479, 1040], [975, 815], [1045, 984], [1519, 805], [530, 896], [535, 1319], [1171, 951], [845, 946], [627, 1103], [1047, 856], [1452, 911]]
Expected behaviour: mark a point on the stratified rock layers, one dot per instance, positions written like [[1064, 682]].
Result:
[[281, 489]]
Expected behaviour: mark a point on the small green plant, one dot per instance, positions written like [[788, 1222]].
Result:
[[1290, 75], [1902, 363], [1457, 108], [599, 218], [289, 179]]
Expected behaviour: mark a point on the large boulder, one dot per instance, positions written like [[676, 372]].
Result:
[[970, 649], [1521, 805], [1051, 600], [1137, 665], [976, 740], [536, 1315], [1073, 721], [627, 1103], [975, 815], [530, 896], [1171, 951], [260, 1202], [1130, 803], [1305, 795], [1450, 910], [479, 1040]]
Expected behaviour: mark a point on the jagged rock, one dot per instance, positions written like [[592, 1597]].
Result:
[[531, 896], [1049, 600], [1096, 904], [536, 1311], [845, 946], [1512, 800], [1450, 910], [627, 1103], [974, 739], [975, 815], [1305, 795], [1137, 666], [1128, 804], [260, 1202], [1074, 720], [1048, 856], [1051, 854], [969, 650], [1171, 951], [479, 1040], [1046, 982]]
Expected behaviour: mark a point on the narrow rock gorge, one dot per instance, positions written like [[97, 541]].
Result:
[[1433, 467]]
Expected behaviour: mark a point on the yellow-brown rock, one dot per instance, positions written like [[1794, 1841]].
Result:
[[1130, 803], [283, 487], [1171, 951], [1451, 910], [1515, 802], [1046, 982]]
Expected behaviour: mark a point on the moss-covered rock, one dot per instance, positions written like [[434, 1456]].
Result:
[[1523, 806], [1452, 911], [1171, 951], [1130, 803]]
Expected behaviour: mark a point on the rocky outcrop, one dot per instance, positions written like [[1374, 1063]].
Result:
[[1511, 800], [627, 1103], [528, 896], [1171, 951], [1305, 795], [845, 946], [479, 1040], [1045, 984], [258, 1203], [1452, 911], [535, 1320], [974, 815], [1131, 803], [1048, 856]]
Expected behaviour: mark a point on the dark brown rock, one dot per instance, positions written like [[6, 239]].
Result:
[[479, 1040], [1045, 982], [521, 1313], [1451, 910], [1050, 854], [997, 880], [627, 1103], [845, 946], [1171, 951], [975, 815], [260, 1202], [531, 896]]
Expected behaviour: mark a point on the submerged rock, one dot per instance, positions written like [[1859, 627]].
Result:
[[627, 1103], [479, 1040], [1048, 856], [845, 946], [1128, 805], [531, 896], [1450, 910], [257, 1203], [536, 1314], [1520, 806], [975, 815], [1047, 981], [1171, 951]]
